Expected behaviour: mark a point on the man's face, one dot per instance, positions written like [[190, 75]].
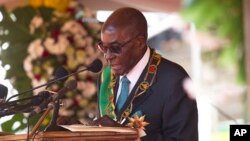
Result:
[[119, 49]]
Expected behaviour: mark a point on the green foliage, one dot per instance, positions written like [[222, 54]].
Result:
[[222, 18], [7, 126], [17, 24]]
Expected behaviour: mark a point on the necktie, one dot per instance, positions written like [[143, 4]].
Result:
[[124, 92]]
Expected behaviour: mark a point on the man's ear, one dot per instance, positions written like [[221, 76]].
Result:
[[141, 41]]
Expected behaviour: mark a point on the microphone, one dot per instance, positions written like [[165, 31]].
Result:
[[71, 84], [35, 101], [40, 95], [60, 72], [95, 67], [13, 107], [3, 93], [40, 107]]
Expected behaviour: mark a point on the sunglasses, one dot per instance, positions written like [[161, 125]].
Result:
[[115, 48]]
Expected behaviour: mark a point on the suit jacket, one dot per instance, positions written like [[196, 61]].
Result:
[[171, 114]]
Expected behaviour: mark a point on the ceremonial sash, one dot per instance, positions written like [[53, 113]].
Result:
[[106, 95]]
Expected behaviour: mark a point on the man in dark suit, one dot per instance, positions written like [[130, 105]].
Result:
[[139, 88]]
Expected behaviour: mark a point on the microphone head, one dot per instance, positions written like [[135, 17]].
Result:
[[41, 96], [60, 76], [95, 66], [70, 85], [3, 92], [61, 72]]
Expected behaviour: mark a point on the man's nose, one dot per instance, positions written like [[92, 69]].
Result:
[[108, 55]]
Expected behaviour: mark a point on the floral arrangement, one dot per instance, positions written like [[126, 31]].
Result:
[[53, 39], [68, 44]]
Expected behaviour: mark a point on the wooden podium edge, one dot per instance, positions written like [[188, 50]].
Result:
[[68, 135]]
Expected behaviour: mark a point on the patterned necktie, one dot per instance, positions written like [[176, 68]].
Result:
[[124, 92]]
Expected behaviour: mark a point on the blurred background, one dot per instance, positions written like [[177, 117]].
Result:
[[207, 37]]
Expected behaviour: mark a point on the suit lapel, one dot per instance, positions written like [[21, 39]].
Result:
[[140, 99]]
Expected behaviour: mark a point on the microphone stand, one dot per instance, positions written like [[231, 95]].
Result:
[[45, 114], [53, 123]]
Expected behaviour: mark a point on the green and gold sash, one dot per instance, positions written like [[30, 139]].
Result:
[[106, 96]]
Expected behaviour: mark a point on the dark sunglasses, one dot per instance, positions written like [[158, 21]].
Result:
[[115, 47]]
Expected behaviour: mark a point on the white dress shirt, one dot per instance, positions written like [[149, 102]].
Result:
[[135, 73]]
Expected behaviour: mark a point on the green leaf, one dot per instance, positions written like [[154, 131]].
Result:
[[8, 125]]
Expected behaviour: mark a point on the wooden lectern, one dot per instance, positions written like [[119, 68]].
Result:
[[129, 135]]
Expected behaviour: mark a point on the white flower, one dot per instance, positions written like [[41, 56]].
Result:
[[74, 27], [58, 47], [27, 65], [36, 83], [36, 22], [35, 49], [49, 42]]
